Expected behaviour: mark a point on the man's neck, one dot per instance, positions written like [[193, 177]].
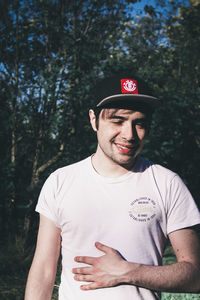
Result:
[[107, 168]]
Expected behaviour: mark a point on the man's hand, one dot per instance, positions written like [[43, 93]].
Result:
[[104, 271]]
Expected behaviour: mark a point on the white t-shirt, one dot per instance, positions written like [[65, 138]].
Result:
[[133, 214]]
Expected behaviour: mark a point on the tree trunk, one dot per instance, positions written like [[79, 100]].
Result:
[[12, 213], [29, 224]]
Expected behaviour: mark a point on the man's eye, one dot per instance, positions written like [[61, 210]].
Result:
[[117, 121], [141, 125]]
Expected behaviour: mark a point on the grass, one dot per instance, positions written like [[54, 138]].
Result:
[[168, 296], [14, 267], [169, 258]]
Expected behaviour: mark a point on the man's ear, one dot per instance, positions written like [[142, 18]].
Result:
[[92, 119]]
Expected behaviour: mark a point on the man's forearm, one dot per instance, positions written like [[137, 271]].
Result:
[[111, 270], [178, 277], [38, 287]]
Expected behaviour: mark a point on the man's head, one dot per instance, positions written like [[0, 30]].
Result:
[[122, 118], [121, 134]]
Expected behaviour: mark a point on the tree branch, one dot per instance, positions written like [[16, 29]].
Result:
[[50, 161]]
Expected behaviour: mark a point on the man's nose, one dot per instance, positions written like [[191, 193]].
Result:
[[129, 132]]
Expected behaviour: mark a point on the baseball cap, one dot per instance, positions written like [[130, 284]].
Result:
[[124, 90]]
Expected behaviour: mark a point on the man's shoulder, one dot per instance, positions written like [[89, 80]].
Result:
[[66, 175], [148, 165], [74, 167]]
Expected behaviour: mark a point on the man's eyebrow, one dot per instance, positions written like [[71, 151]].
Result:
[[117, 117], [143, 119]]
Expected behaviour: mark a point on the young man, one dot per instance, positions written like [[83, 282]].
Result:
[[113, 213]]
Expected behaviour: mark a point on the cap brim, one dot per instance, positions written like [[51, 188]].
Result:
[[131, 99]]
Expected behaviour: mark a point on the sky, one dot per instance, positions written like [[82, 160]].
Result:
[[142, 3], [139, 6]]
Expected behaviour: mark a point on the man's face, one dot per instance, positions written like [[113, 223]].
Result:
[[121, 135]]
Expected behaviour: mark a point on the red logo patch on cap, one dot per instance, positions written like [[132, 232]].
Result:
[[129, 86]]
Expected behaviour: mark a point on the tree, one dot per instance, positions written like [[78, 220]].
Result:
[[163, 48], [52, 52]]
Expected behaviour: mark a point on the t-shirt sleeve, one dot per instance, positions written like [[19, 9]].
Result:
[[47, 204], [182, 210]]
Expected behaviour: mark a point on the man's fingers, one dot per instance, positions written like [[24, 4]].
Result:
[[103, 248], [87, 278], [90, 260], [83, 271], [84, 259], [92, 286]]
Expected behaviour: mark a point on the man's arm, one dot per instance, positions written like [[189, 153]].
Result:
[[111, 270], [43, 269]]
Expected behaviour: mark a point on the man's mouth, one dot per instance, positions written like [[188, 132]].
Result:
[[124, 148]]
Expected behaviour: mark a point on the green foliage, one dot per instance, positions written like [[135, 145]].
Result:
[[163, 48], [15, 261], [52, 53]]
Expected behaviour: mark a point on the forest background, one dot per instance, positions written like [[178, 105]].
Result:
[[52, 52]]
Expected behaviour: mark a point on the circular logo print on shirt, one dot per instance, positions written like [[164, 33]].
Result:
[[142, 209]]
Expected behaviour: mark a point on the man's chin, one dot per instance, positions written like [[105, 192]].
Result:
[[126, 163]]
